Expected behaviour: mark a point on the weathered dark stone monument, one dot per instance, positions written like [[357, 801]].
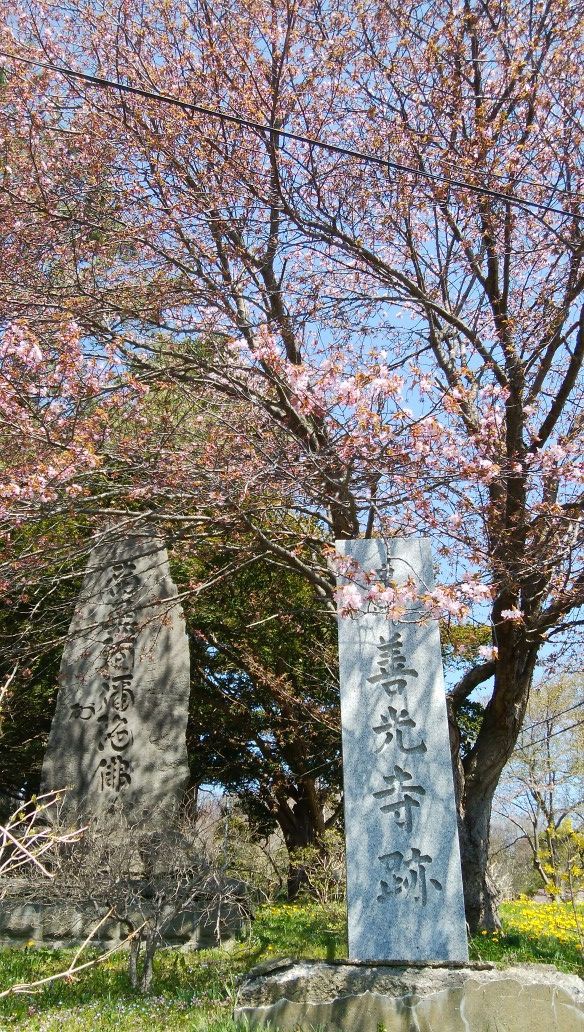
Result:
[[118, 733], [118, 746], [408, 960]]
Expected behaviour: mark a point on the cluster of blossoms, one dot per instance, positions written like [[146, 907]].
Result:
[[55, 410], [363, 591]]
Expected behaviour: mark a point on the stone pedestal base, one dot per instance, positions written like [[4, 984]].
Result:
[[347, 997]]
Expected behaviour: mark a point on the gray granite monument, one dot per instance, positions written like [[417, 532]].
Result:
[[404, 885], [118, 733]]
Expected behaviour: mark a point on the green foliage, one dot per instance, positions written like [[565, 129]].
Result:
[[324, 868], [531, 933], [469, 716], [534, 933], [542, 789], [460, 650], [264, 713], [191, 991], [461, 644], [301, 930], [34, 618], [260, 863]]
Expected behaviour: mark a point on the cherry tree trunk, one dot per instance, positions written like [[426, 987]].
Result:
[[480, 894], [476, 778]]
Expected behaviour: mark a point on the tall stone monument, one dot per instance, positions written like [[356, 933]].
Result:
[[118, 733], [404, 885], [408, 963]]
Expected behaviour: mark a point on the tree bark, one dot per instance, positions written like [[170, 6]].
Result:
[[480, 894], [133, 962], [476, 777], [302, 825], [149, 951]]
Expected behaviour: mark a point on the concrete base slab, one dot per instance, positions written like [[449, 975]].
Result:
[[289, 995]]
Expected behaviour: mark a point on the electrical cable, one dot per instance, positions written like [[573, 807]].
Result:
[[553, 716], [311, 141], [561, 731]]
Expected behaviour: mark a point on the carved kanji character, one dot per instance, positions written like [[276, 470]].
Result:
[[120, 657], [121, 698], [119, 736], [114, 773], [402, 806], [393, 724], [407, 875], [79, 712], [392, 665]]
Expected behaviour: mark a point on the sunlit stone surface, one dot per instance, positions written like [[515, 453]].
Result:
[[404, 884]]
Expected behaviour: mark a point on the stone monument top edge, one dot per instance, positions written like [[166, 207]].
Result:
[[125, 541], [352, 546], [408, 556], [127, 530]]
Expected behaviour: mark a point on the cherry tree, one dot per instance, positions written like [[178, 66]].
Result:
[[388, 346]]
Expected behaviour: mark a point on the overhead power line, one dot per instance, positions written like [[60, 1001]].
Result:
[[311, 141], [553, 716], [522, 180], [560, 731]]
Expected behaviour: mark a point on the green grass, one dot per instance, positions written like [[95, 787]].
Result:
[[190, 991], [534, 933], [195, 991]]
